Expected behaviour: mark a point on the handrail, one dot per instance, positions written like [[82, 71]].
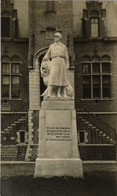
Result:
[[10, 119], [96, 121]]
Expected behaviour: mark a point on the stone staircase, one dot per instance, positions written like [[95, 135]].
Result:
[[9, 133], [20, 120], [13, 122], [94, 133], [98, 131], [101, 138]]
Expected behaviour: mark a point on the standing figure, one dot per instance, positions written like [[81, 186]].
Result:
[[59, 64]]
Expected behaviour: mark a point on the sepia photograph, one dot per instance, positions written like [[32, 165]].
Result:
[[58, 98]]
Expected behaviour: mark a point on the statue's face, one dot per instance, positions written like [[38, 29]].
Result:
[[56, 39]]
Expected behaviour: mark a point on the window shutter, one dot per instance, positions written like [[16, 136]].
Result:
[[102, 28], [88, 28]]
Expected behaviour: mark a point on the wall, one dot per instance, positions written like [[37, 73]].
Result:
[[39, 20], [109, 48]]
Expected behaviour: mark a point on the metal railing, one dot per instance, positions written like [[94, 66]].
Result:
[[96, 121]]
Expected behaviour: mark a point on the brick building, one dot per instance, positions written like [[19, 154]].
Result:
[[91, 44], [14, 78]]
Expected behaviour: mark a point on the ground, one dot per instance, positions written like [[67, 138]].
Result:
[[95, 183]]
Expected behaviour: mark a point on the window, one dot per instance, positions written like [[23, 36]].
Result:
[[96, 79], [93, 20], [50, 6], [86, 68], [50, 33], [22, 136], [5, 26], [94, 27], [15, 87], [10, 79], [86, 86], [82, 137], [5, 86]]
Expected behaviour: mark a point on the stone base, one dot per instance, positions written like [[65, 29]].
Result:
[[58, 167], [58, 153]]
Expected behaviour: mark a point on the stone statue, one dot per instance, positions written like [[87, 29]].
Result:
[[54, 71]]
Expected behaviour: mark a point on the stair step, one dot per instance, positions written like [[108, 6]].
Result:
[[79, 117], [90, 125], [24, 117], [9, 127], [83, 120], [17, 122], [6, 129], [86, 122], [21, 120], [100, 132], [111, 141]]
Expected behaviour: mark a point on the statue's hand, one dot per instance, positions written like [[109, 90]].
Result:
[[45, 59], [67, 66]]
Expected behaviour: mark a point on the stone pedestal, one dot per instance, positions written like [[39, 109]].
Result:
[[58, 153]]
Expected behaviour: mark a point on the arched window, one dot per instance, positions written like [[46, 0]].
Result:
[[86, 64], [10, 77]]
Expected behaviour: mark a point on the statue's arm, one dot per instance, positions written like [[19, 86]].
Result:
[[66, 58], [48, 54]]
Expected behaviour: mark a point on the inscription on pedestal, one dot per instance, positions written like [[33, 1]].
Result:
[[58, 134]]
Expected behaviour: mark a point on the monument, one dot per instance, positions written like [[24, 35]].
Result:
[[58, 153]]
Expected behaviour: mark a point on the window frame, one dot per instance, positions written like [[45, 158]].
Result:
[[10, 74], [101, 74]]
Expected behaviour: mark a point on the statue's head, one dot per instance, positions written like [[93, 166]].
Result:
[[58, 35]]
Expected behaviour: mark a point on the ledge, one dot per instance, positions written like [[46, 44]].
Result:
[[14, 112], [96, 144], [8, 99], [109, 99], [98, 113], [105, 39], [71, 68], [84, 162], [14, 39], [50, 11]]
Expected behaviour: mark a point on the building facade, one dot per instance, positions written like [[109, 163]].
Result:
[[14, 79], [91, 39]]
